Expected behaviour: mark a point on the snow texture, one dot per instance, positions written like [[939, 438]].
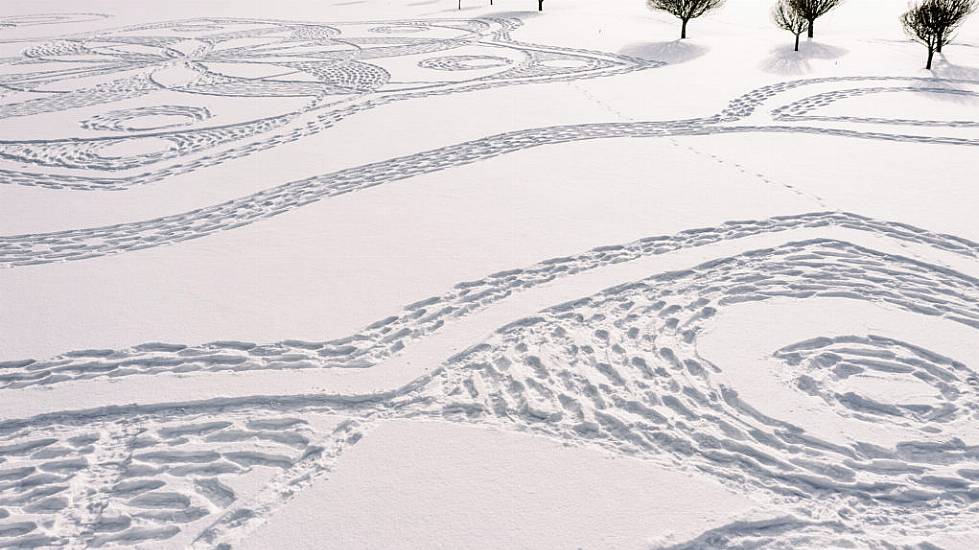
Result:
[[520, 279]]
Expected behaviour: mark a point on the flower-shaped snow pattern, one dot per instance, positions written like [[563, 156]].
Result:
[[827, 366], [139, 119], [401, 29], [463, 62], [317, 73]]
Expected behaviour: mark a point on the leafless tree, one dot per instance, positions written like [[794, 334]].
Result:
[[933, 22], [786, 17], [540, 5], [951, 14], [685, 10], [813, 9]]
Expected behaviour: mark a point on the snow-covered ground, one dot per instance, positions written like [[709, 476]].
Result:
[[369, 274]]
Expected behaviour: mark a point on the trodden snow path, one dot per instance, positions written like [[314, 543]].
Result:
[[769, 297]]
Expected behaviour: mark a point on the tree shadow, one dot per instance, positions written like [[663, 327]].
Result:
[[516, 14], [944, 70], [674, 51], [785, 61], [456, 9]]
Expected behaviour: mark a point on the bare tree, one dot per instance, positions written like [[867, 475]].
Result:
[[933, 22], [786, 17], [685, 10], [813, 9], [540, 5], [951, 14]]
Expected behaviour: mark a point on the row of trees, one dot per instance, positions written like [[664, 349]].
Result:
[[930, 22], [797, 16]]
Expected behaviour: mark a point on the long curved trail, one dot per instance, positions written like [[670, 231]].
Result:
[[81, 244]]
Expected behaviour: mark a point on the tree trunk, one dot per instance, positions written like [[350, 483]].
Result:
[[540, 5], [683, 29], [931, 55], [811, 21], [938, 45], [797, 41], [460, 4]]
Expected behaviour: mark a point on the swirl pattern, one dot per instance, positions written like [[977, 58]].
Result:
[[620, 347]]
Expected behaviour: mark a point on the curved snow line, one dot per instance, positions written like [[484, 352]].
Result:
[[400, 347], [619, 369], [311, 119], [81, 244]]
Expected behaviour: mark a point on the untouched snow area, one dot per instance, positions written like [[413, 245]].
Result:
[[366, 274]]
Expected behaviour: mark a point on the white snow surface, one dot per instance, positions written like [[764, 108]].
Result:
[[373, 274]]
